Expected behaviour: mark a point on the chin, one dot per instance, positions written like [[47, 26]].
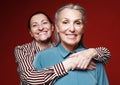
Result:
[[45, 40], [71, 43]]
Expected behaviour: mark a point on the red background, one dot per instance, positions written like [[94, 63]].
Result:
[[102, 29]]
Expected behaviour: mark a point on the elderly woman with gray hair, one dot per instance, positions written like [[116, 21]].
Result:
[[69, 22]]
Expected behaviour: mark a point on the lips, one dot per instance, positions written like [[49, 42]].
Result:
[[42, 33], [71, 36]]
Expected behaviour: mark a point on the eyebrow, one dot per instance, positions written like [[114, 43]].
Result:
[[44, 20], [34, 23], [75, 19], [41, 21]]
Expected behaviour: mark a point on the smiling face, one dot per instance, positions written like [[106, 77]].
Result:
[[40, 28], [70, 27]]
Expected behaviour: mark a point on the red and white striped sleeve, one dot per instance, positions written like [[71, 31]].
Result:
[[29, 75], [103, 55]]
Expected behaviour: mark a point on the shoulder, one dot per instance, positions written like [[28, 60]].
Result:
[[23, 50], [23, 46]]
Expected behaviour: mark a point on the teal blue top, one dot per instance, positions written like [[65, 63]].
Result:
[[57, 54]]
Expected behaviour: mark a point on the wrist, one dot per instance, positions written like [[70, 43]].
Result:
[[93, 53]]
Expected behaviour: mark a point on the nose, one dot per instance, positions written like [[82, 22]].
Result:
[[72, 28], [40, 27]]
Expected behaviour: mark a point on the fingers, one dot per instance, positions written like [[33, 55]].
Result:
[[83, 63], [91, 66], [69, 63], [74, 66], [83, 59]]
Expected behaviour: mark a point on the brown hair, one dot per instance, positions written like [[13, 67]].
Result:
[[39, 12]]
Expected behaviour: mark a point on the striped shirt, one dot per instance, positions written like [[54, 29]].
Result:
[[25, 55]]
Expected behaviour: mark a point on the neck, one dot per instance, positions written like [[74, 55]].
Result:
[[44, 45], [70, 48]]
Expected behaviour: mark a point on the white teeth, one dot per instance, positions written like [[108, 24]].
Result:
[[71, 36], [42, 32]]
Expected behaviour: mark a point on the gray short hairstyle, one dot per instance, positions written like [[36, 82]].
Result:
[[71, 6]]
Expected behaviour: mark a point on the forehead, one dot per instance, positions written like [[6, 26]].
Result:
[[70, 13], [39, 17]]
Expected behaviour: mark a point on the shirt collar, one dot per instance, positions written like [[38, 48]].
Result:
[[64, 53]]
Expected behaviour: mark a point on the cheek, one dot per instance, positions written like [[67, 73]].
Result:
[[80, 31], [61, 28], [33, 30], [50, 33], [31, 33], [62, 36]]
